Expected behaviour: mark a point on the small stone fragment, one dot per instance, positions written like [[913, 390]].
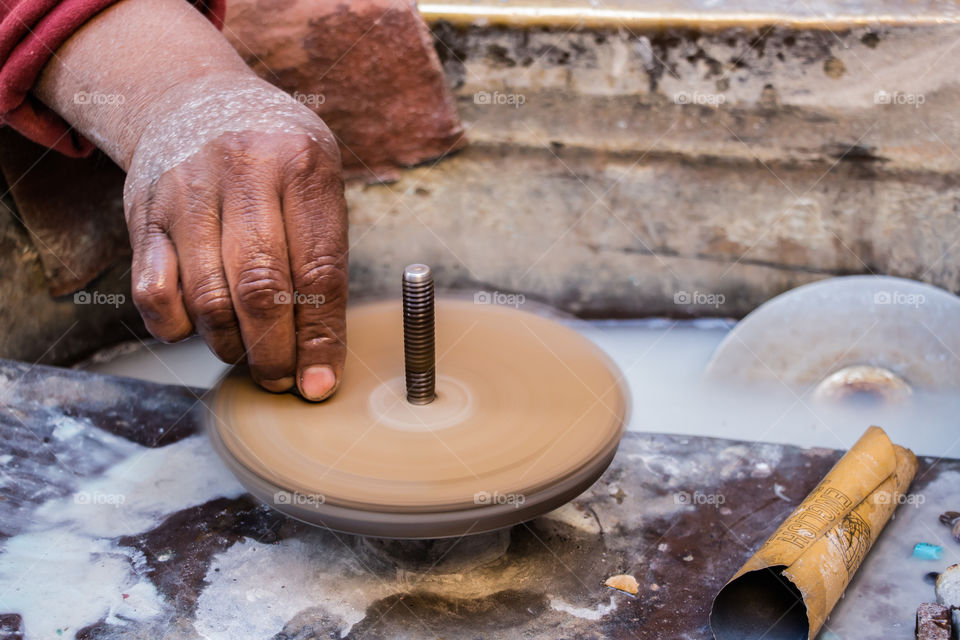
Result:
[[933, 622], [949, 517], [927, 551], [952, 520], [618, 494], [623, 582], [948, 592]]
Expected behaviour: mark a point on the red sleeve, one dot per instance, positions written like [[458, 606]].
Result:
[[30, 32]]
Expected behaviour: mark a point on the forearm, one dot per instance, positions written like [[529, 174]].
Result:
[[114, 75]]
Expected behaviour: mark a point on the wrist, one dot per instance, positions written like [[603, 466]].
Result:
[[110, 98], [181, 107], [189, 116]]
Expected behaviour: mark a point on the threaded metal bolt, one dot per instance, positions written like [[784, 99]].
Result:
[[419, 349]]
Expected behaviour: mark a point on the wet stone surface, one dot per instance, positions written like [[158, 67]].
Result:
[[118, 521]]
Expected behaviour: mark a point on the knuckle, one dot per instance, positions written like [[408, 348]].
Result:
[[326, 274], [304, 162], [322, 337], [259, 288], [324, 328], [246, 204], [327, 146], [317, 155], [196, 186], [145, 229], [217, 320], [235, 144], [153, 299], [214, 309]]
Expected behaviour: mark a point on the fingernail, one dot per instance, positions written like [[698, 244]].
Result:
[[317, 382], [278, 386]]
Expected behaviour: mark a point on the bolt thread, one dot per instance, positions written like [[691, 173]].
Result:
[[419, 349]]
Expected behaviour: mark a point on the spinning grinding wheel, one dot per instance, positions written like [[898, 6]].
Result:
[[505, 416], [858, 335]]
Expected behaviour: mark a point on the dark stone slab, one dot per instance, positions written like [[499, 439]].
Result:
[[680, 514]]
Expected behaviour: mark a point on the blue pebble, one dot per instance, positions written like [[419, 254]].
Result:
[[927, 551]]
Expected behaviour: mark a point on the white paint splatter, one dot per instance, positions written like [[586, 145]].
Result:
[[66, 427], [135, 494], [58, 579], [585, 613], [244, 598], [778, 490], [66, 570]]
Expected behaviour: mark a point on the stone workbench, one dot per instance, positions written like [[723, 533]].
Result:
[[118, 521]]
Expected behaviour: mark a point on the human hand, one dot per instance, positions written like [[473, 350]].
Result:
[[234, 203]]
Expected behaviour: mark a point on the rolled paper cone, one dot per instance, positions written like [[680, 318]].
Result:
[[791, 584]]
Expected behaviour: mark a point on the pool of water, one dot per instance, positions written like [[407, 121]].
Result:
[[663, 362]]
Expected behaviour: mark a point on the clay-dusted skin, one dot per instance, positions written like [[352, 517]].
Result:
[[523, 403]]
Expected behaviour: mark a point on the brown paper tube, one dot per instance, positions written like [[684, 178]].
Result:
[[790, 585]]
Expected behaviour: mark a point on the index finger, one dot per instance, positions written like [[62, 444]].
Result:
[[315, 216]]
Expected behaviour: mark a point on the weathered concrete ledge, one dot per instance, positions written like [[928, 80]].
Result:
[[611, 171]]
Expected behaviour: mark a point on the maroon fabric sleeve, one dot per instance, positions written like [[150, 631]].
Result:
[[30, 32]]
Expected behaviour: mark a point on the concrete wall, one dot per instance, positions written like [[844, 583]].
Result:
[[636, 171], [613, 170]]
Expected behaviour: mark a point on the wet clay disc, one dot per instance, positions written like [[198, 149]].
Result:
[[528, 414]]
